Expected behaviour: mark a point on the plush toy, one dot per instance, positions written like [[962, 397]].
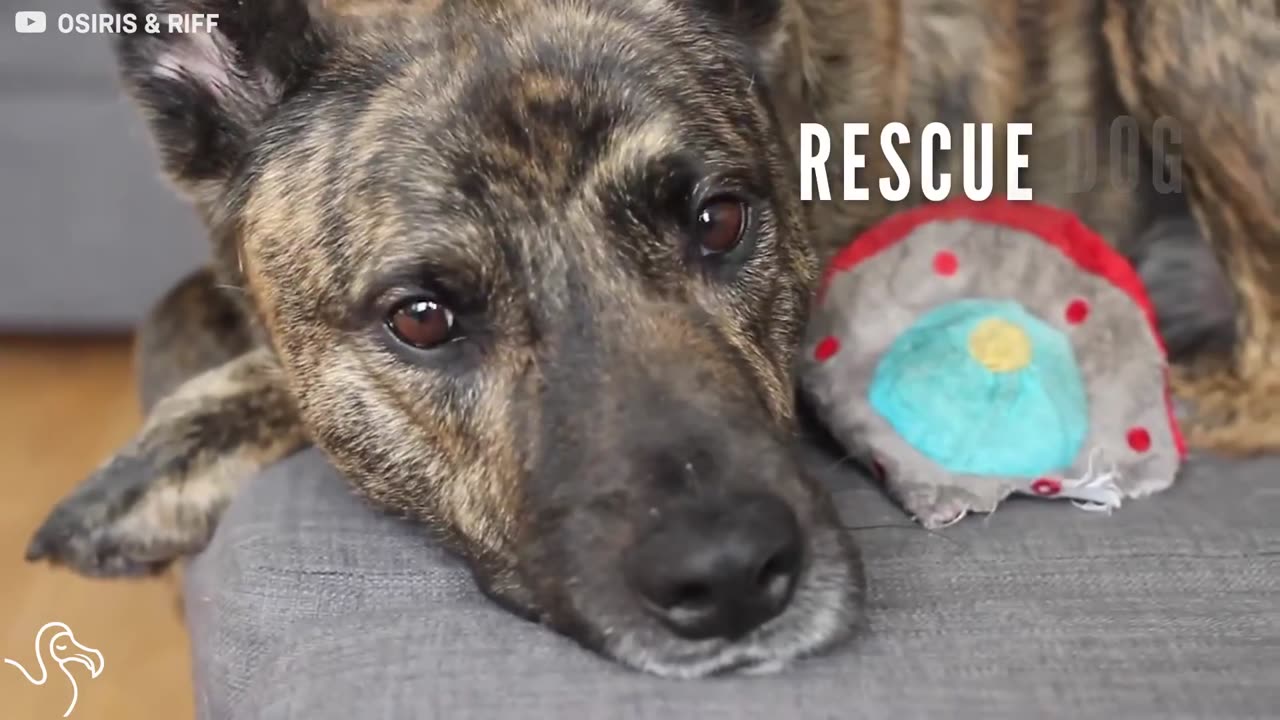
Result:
[[968, 351]]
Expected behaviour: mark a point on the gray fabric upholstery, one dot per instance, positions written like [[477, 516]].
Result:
[[311, 605], [90, 235]]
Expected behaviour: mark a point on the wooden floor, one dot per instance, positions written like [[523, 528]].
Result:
[[64, 406]]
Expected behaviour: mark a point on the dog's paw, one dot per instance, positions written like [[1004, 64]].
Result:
[[100, 530], [1194, 302], [160, 498]]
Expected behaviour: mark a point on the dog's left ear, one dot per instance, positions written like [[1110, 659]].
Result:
[[206, 93], [749, 16]]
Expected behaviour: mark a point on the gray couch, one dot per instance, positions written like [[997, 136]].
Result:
[[88, 234], [310, 605]]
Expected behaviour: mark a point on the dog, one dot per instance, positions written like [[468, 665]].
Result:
[[534, 273]]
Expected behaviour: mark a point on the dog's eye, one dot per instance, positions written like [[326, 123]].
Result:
[[421, 322], [720, 224]]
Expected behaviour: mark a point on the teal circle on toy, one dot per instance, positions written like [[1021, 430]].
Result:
[[983, 387]]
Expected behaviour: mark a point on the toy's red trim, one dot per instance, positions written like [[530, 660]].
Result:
[[1059, 228]]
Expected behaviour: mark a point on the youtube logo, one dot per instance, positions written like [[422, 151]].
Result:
[[29, 21]]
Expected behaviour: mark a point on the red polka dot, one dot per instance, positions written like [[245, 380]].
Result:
[[1139, 439], [1077, 311], [945, 263], [1046, 487], [827, 347]]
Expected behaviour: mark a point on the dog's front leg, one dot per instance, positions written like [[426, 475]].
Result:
[[1212, 67], [159, 498]]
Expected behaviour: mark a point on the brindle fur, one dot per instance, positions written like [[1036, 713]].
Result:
[[522, 155], [1226, 95]]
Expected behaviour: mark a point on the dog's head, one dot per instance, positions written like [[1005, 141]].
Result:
[[535, 272]]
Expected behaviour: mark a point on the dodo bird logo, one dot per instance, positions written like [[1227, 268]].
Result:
[[56, 642]]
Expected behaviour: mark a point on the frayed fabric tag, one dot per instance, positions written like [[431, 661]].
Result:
[[1096, 490]]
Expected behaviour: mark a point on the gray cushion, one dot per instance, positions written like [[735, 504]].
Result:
[[311, 605], [91, 235]]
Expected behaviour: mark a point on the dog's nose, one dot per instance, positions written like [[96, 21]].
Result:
[[718, 568]]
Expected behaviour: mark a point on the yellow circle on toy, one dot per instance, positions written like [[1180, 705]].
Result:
[[1000, 346]]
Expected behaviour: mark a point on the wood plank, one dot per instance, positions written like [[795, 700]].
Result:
[[65, 405]]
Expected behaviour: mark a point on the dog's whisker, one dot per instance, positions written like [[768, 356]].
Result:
[[905, 526]]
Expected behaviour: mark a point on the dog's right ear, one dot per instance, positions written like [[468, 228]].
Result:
[[204, 93]]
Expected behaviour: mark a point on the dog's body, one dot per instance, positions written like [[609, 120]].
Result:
[[603, 196]]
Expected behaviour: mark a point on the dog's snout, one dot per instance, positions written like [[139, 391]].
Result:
[[718, 568]]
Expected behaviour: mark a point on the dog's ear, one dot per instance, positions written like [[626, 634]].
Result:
[[205, 92], [749, 16]]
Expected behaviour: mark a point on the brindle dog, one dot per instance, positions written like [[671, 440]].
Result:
[[533, 272]]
